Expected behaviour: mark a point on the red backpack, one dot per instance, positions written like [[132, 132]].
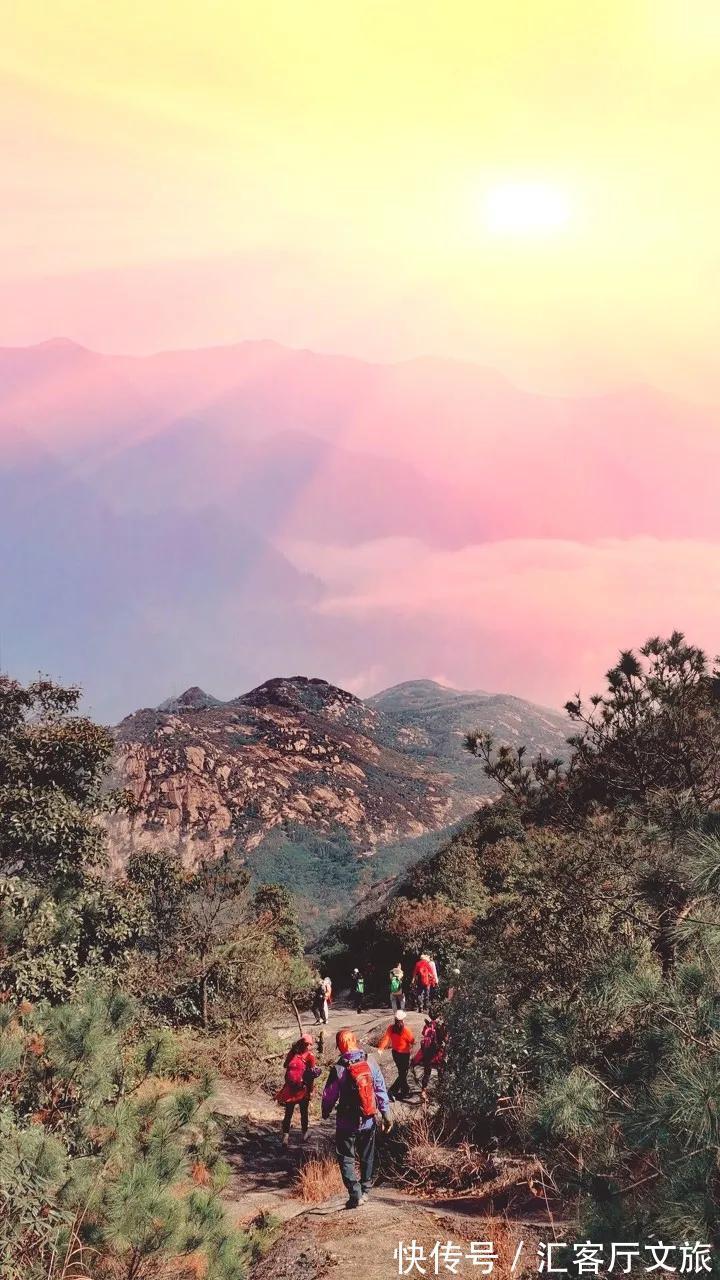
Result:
[[361, 1087], [295, 1071]]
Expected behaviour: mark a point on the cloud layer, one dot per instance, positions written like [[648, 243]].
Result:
[[535, 612]]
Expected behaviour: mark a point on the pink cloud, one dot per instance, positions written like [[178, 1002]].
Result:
[[547, 615]]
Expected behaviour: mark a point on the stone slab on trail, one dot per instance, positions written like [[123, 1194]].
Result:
[[347, 1244]]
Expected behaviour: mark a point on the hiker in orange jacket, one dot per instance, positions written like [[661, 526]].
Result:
[[400, 1038], [301, 1072]]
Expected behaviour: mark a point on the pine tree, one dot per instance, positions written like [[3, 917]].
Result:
[[589, 1030], [106, 1166]]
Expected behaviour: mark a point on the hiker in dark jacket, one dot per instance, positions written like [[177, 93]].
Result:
[[358, 989], [320, 1002], [357, 1089]]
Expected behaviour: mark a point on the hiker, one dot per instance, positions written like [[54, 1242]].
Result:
[[397, 995], [425, 981], [301, 1072], [358, 989], [401, 1039], [431, 1054], [357, 1088], [320, 1002]]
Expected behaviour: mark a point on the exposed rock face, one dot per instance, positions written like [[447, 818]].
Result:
[[191, 700], [205, 776]]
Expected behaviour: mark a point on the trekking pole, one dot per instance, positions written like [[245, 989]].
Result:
[[297, 1015]]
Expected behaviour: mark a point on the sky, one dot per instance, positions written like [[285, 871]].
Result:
[[531, 186], [345, 176]]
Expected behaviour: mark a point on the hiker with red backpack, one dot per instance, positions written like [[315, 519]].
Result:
[[424, 981], [357, 1089], [431, 1054], [301, 1072]]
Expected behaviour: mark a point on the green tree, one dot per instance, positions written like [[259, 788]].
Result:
[[647, 746], [53, 763], [161, 886], [59, 913], [217, 913], [587, 1029], [220, 956], [275, 910]]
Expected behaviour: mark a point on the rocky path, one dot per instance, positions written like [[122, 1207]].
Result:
[[264, 1174], [319, 1240]]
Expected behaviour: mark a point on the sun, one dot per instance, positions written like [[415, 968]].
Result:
[[526, 209]]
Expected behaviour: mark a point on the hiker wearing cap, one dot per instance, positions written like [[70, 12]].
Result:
[[301, 1072], [397, 995], [358, 988], [357, 1089], [425, 981], [400, 1039]]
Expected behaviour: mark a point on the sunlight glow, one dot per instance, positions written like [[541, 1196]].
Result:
[[526, 209]]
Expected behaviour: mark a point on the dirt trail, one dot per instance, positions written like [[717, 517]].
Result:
[[264, 1173], [325, 1239]]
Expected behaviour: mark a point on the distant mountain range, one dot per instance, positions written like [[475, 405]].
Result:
[[307, 783], [433, 720], [207, 514]]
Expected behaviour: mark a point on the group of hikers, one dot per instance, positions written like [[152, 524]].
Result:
[[423, 984], [355, 1088], [418, 993]]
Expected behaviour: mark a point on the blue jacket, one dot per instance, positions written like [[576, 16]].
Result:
[[333, 1089]]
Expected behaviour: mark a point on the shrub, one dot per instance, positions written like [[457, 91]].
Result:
[[319, 1179]]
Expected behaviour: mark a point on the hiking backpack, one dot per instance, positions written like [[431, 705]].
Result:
[[295, 1071], [359, 1089]]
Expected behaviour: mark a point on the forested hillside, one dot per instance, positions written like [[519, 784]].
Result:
[[579, 921], [113, 992]]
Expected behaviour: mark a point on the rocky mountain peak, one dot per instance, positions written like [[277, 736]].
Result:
[[298, 760], [303, 693], [193, 699], [295, 752]]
